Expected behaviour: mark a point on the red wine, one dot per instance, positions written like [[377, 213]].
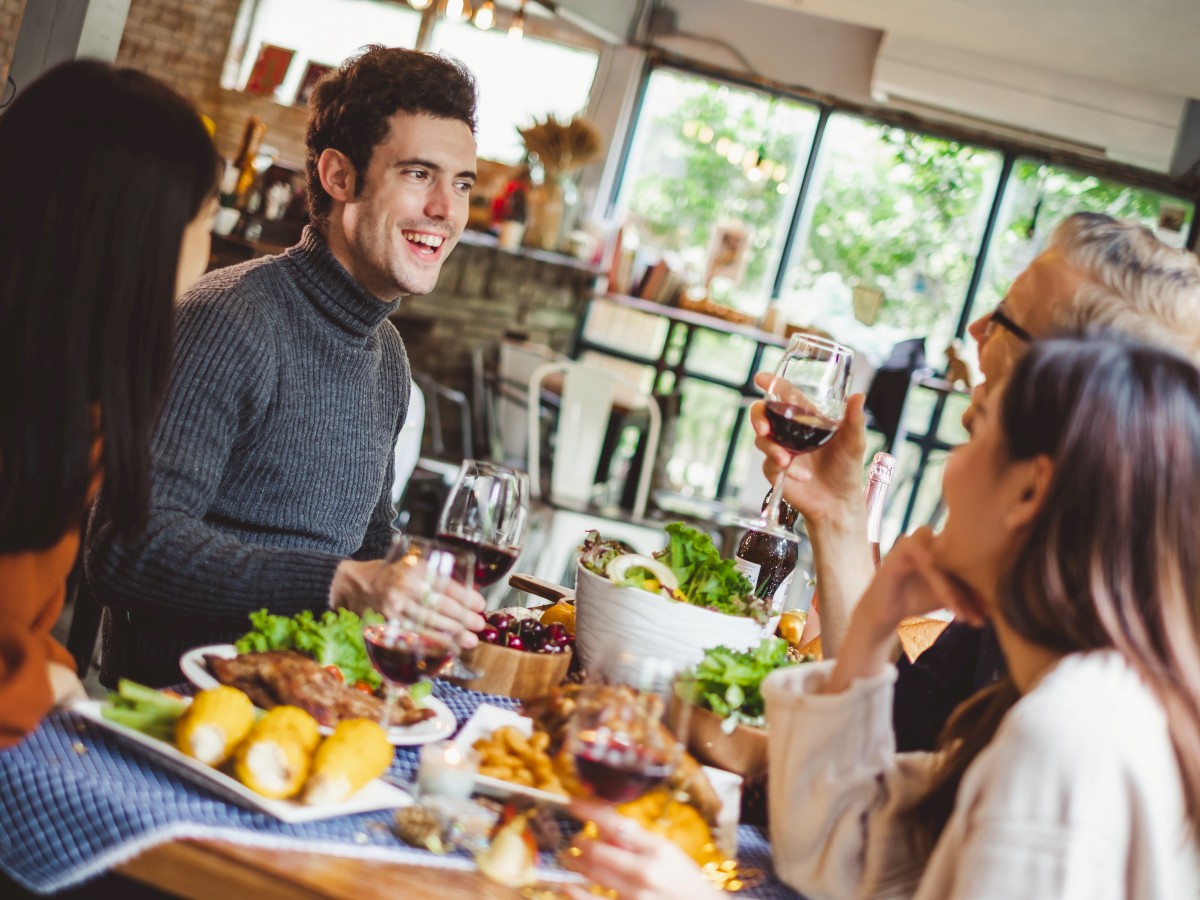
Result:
[[491, 562], [617, 773], [796, 428], [404, 656]]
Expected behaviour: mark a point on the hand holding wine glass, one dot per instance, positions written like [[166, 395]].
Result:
[[804, 405], [487, 513], [621, 745], [423, 639]]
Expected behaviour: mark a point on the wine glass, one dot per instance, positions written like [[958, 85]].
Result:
[[618, 737], [487, 513], [416, 644], [804, 406]]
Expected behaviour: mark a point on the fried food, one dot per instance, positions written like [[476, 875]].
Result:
[[509, 755], [552, 713]]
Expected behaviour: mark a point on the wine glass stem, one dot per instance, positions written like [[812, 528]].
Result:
[[389, 701], [772, 513]]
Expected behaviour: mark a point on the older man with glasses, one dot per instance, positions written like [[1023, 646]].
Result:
[[1096, 271]]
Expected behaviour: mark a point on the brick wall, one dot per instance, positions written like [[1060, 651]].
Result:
[[10, 21], [482, 294], [184, 42]]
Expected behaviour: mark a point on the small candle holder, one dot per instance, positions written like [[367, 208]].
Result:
[[447, 771]]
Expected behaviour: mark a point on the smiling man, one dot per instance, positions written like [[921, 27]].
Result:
[[273, 457]]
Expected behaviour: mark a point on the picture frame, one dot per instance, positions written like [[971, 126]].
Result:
[[727, 252], [270, 68], [313, 73]]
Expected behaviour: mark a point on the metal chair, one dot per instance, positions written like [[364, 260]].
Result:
[[887, 396]]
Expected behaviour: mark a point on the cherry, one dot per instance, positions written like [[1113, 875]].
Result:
[[489, 634], [556, 634], [514, 642], [502, 621]]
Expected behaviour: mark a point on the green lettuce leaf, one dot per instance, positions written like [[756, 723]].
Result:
[[334, 639]]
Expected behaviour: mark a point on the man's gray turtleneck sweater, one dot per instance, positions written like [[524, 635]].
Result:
[[272, 460]]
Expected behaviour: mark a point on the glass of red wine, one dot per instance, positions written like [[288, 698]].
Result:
[[487, 513], [804, 406], [413, 646], [618, 735]]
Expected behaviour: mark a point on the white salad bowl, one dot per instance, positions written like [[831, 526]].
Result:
[[609, 619]]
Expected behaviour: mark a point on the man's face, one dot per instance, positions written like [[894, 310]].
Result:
[[411, 207], [1036, 300]]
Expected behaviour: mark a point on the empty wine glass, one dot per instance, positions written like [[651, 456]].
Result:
[[804, 407], [487, 513]]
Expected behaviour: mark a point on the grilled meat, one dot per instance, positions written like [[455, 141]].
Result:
[[287, 678]]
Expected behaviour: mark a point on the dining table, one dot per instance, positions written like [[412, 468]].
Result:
[[79, 802]]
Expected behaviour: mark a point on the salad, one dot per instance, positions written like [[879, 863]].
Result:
[[729, 682], [689, 569]]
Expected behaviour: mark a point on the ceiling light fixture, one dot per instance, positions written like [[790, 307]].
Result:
[[457, 10], [420, 4], [517, 29], [486, 16]]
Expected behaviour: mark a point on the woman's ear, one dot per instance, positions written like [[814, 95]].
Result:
[[337, 174], [1031, 485]]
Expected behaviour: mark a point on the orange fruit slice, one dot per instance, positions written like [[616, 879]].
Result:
[[561, 613]]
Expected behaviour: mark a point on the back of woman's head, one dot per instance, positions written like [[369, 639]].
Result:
[[1113, 557], [105, 168]]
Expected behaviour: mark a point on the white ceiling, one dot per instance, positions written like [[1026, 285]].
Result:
[[1149, 44]]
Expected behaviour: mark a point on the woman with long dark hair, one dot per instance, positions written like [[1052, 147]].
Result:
[[1073, 529], [105, 217]]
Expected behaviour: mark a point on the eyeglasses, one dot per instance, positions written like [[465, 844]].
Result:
[[999, 318]]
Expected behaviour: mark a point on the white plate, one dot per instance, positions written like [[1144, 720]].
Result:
[[376, 795], [440, 727], [486, 719]]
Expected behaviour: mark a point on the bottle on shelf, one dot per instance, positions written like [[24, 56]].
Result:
[[768, 561], [247, 155], [879, 479]]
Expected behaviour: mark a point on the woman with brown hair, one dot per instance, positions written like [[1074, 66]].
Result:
[[1072, 528], [104, 219]]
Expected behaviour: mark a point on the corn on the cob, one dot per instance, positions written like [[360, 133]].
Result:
[[216, 722], [357, 752], [274, 758]]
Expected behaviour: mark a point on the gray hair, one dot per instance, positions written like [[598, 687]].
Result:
[[1136, 284]]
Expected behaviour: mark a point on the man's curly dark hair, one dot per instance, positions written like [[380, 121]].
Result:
[[349, 109]]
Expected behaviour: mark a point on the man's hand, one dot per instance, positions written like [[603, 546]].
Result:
[[64, 684], [383, 587], [825, 485]]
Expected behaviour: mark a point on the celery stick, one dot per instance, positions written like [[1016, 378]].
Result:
[[143, 697]]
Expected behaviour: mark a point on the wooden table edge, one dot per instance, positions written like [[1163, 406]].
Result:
[[204, 869]]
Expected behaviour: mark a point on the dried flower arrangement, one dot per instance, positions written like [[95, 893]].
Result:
[[559, 147]]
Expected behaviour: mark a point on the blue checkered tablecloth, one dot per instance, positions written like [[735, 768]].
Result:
[[76, 800]]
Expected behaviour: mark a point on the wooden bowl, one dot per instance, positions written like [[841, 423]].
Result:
[[743, 752], [515, 673]]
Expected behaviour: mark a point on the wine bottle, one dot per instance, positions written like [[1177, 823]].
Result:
[[247, 154], [768, 561], [879, 479]]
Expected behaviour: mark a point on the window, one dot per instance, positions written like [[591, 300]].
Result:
[[515, 88], [324, 32], [888, 244], [1038, 196], [708, 156]]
